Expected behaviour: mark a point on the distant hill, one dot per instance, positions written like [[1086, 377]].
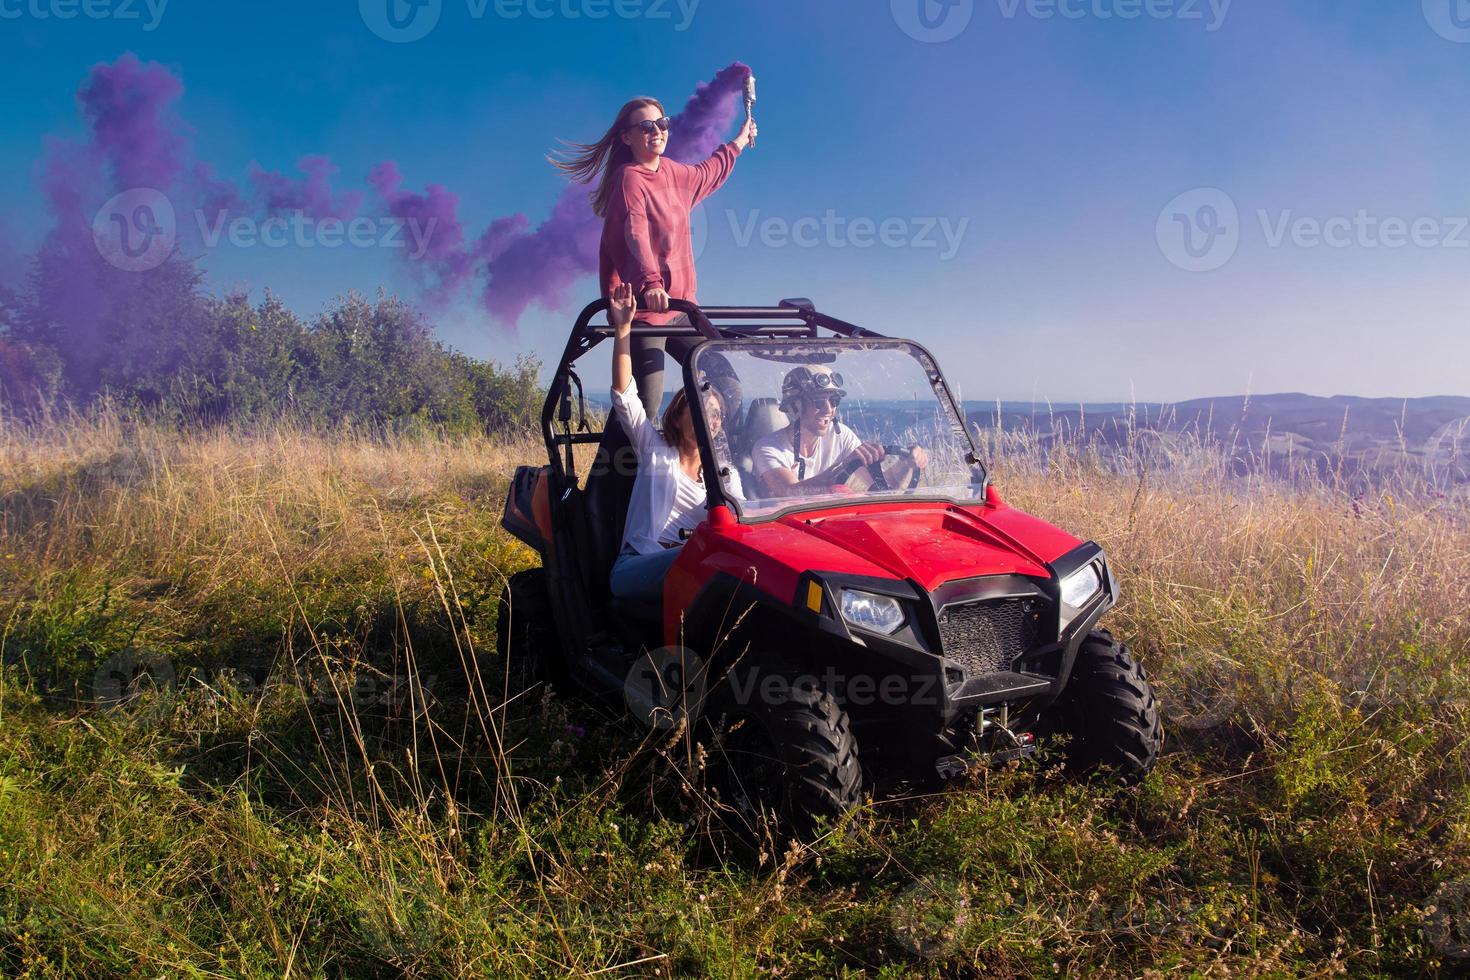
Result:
[[1368, 435]]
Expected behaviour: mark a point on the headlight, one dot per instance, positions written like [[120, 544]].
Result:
[[1078, 589], [875, 613], [1080, 586]]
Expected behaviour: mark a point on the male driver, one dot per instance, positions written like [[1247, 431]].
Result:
[[815, 451]]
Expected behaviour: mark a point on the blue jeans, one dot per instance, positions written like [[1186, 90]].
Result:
[[642, 576]]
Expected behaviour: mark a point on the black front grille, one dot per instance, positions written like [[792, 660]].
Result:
[[986, 637]]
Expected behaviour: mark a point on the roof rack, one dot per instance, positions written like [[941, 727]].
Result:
[[791, 318]]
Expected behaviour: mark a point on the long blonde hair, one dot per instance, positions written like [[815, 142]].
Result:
[[600, 161]]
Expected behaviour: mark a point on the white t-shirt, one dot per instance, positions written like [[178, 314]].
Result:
[[774, 452]]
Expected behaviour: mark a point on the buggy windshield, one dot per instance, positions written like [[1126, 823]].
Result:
[[806, 422]]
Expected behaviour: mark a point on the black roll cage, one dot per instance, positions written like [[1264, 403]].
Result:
[[792, 319]]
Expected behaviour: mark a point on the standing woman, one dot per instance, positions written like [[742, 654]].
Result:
[[645, 201]]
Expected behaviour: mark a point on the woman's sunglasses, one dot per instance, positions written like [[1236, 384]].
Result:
[[647, 126]]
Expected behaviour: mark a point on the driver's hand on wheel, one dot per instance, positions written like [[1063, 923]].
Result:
[[920, 456], [656, 298], [867, 454]]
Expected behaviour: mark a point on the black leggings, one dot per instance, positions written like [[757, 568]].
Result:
[[648, 368]]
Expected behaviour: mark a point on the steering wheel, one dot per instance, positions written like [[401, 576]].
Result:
[[875, 469]]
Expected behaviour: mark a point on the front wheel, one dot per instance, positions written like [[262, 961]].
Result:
[[780, 744], [1109, 711]]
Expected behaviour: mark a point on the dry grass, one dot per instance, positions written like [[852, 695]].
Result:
[[346, 784]]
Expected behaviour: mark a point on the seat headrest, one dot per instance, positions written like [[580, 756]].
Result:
[[764, 418]]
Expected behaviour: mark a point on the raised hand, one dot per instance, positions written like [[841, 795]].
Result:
[[622, 304], [748, 133]]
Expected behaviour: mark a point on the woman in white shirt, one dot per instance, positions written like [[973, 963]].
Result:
[[669, 491]]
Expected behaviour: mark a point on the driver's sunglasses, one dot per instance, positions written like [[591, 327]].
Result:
[[647, 126], [826, 401]]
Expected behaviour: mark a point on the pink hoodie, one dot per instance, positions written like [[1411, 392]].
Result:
[[645, 233]]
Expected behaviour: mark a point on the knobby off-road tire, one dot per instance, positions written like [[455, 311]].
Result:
[[1110, 713], [524, 635], [793, 754]]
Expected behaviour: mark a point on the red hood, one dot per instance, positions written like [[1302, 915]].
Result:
[[929, 544]]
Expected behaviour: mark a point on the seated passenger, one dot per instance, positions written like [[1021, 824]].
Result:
[[815, 451], [668, 492]]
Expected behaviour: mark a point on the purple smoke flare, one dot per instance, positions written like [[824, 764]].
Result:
[[312, 194], [434, 220]]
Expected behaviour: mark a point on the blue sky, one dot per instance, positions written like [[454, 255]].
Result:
[[1050, 137]]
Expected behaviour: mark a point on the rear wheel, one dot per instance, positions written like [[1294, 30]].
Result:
[[524, 634], [782, 748], [1109, 711]]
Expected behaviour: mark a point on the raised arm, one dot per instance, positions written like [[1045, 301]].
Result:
[[709, 176], [622, 304]]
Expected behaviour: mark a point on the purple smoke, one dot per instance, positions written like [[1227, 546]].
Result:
[[134, 138], [129, 108], [446, 262], [311, 194], [706, 118], [132, 141]]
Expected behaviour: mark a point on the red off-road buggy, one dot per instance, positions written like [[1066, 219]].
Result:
[[827, 643]]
